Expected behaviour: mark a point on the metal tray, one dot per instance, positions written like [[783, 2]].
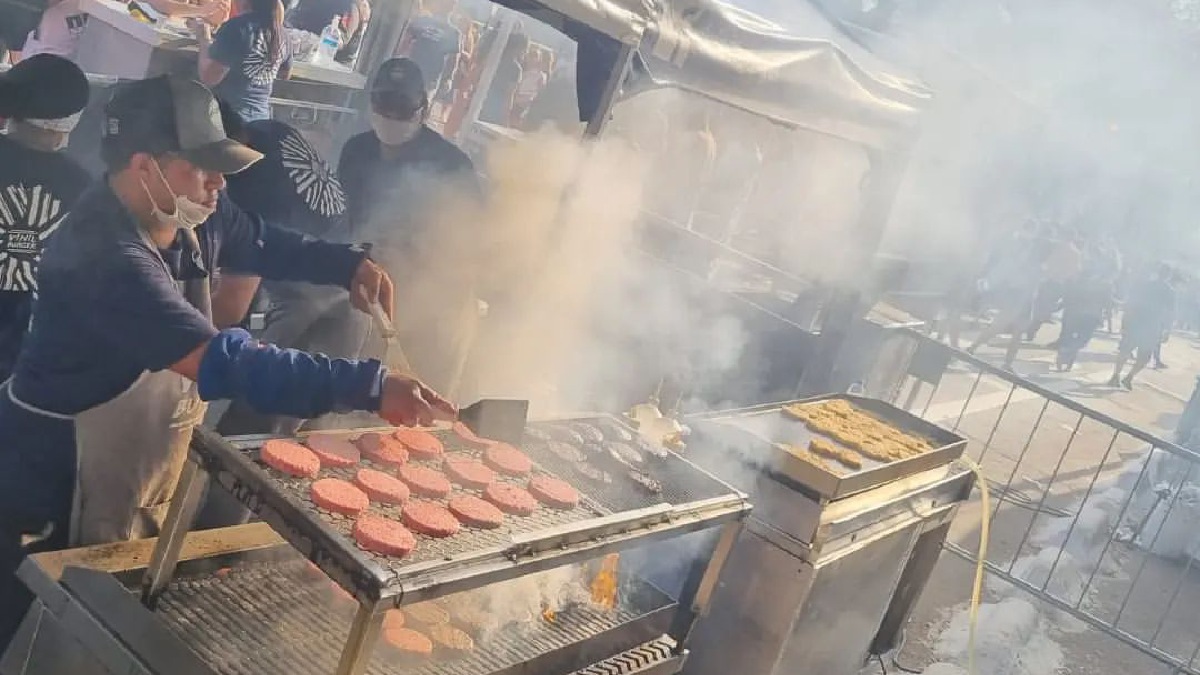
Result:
[[279, 617], [602, 523], [769, 424]]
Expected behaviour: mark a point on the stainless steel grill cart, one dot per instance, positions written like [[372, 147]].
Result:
[[829, 566], [260, 601]]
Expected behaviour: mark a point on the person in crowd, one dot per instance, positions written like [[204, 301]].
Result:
[[557, 104], [353, 43], [498, 101], [411, 193], [1084, 301], [57, 31], [1011, 284], [122, 352], [314, 16], [42, 98], [433, 43], [294, 187], [535, 74], [243, 59], [1149, 314], [1063, 264]]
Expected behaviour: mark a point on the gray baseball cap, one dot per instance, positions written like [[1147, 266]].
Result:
[[169, 114]]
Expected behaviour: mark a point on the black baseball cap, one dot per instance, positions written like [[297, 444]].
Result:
[[169, 114], [43, 87], [398, 89]]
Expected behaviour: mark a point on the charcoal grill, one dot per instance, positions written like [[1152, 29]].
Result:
[[829, 567], [265, 616]]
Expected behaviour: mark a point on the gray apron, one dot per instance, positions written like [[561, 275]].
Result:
[[132, 448]]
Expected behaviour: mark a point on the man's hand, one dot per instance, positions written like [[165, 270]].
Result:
[[372, 285], [408, 402]]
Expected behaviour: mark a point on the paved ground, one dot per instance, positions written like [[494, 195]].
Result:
[[1052, 461]]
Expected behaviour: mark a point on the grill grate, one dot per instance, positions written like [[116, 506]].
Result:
[[281, 618], [681, 482], [433, 548]]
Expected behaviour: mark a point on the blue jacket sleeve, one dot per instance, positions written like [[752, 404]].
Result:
[[251, 246], [278, 381]]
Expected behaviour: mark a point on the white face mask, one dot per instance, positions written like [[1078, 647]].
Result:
[[394, 132], [188, 214]]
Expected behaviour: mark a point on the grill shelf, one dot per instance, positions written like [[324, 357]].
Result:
[[729, 430], [609, 517], [278, 617]]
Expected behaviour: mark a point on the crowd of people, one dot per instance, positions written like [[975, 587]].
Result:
[[123, 293], [1040, 271]]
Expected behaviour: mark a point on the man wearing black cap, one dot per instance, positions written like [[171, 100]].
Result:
[[415, 196], [42, 98], [121, 352]]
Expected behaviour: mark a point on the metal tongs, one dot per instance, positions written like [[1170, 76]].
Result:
[[393, 354]]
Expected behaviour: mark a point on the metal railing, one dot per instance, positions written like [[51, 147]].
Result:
[[1093, 516]]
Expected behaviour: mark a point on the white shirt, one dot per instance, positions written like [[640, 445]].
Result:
[[58, 31]]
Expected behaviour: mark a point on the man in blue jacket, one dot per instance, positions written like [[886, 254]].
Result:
[[96, 420]]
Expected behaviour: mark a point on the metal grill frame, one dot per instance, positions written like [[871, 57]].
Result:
[[377, 589]]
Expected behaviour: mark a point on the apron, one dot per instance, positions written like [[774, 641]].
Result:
[[131, 449]]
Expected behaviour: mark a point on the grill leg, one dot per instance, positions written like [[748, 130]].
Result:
[[180, 515], [701, 584], [363, 633]]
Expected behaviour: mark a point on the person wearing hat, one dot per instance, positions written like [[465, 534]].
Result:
[[42, 98], [121, 352], [416, 197]]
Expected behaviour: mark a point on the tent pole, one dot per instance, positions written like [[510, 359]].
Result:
[[612, 89], [845, 304]]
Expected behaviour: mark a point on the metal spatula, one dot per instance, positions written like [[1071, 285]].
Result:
[[496, 418]]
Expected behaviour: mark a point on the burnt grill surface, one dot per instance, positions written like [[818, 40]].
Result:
[[266, 618]]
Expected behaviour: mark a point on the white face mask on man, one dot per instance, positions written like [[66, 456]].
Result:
[[188, 214], [394, 132]]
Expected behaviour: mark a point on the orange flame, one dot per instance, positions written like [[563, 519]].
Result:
[[604, 585]]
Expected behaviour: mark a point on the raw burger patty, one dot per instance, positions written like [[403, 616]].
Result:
[[449, 637], [553, 492], [291, 458], [381, 487], [469, 438], [339, 496], [507, 459], [333, 451], [425, 481], [510, 499], [429, 518], [420, 444], [393, 618], [408, 641], [468, 472], [382, 449], [475, 512], [381, 535]]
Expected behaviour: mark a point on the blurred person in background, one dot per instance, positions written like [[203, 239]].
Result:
[[1062, 266], [1083, 310], [57, 31], [314, 16], [241, 62], [42, 98], [433, 43], [409, 191], [353, 42], [558, 102], [498, 100], [1010, 283], [18, 18], [1149, 315], [535, 75]]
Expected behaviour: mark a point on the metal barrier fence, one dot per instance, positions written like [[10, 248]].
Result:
[[1093, 516]]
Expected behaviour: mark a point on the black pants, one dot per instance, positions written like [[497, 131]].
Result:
[[1077, 331], [15, 597]]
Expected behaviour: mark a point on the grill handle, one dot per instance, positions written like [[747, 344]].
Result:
[[554, 538]]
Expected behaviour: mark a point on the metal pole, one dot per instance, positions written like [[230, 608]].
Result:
[[356, 655], [845, 304], [701, 584], [612, 91], [491, 63]]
